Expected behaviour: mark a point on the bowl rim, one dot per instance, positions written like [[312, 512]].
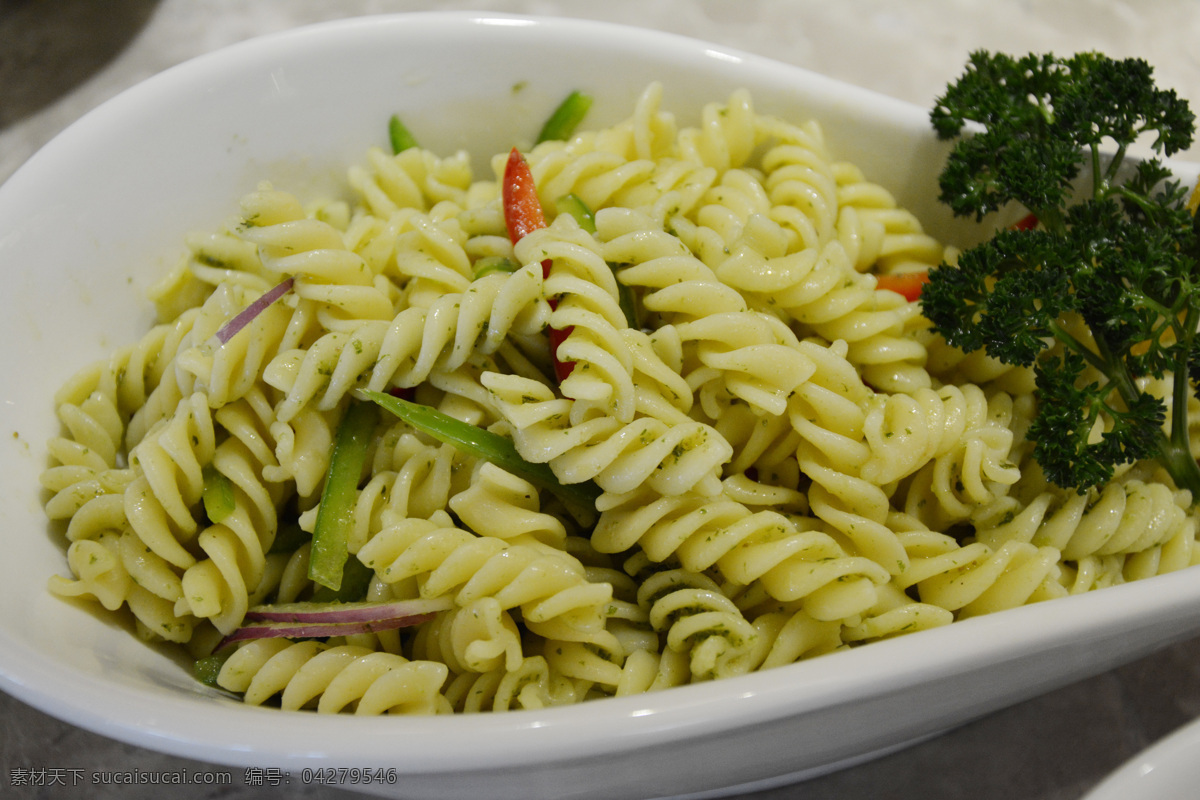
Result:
[[567, 732]]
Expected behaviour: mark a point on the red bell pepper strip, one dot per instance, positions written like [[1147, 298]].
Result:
[[1025, 223], [522, 208], [522, 215], [908, 284]]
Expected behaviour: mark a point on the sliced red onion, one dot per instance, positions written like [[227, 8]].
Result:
[[247, 315], [312, 630], [321, 620], [355, 613]]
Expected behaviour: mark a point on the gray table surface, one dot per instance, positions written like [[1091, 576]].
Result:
[[59, 58]]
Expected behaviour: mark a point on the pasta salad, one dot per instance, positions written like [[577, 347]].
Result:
[[731, 440]]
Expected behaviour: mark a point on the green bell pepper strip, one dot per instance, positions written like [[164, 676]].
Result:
[[566, 118], [573, 205], [289, 538], [579, 498], [628, 303], [400, 137], [489, 264], [217, 495], [356, 580], [208, 668], [335, 515]]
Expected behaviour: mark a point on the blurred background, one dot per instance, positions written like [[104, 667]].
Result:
[[61, 58]]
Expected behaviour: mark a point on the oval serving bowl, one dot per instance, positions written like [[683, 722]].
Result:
[[92, 219], [1165, 771]]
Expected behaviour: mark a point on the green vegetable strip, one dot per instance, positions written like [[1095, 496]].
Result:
[[335, 515], [566, 118], [579, 498], [217, 495], [489, 264], [400, 137], [572, 204], [207, 669], [289, 538], [356, 580], [628, 303]]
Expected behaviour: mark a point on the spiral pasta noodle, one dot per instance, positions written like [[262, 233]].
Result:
[[588, 306], [532, 685], [697, 618], [333, 678], [671, 458], [336, 279], [549, 586]]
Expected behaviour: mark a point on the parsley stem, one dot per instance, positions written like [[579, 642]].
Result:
[[1100, 178], [1187, 471], [1071, 341], [1174, 452], [1114, 164], [1138, 199], [1051, 219]]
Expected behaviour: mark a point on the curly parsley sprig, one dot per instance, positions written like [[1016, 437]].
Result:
[[1105, 291]]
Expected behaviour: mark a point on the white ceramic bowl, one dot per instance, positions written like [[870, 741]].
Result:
[[87, 224], [1168, 770]]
